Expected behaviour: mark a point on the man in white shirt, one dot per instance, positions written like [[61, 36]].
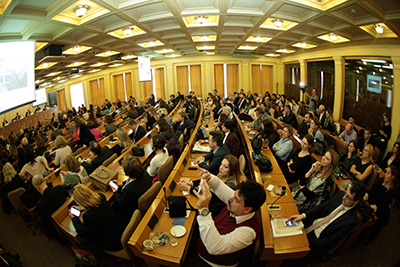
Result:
[[328, 223], [230, 236]]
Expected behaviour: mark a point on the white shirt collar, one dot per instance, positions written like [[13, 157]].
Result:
[[242, 218]]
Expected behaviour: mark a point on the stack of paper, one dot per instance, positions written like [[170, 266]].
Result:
[[197, 148], [279, 229]]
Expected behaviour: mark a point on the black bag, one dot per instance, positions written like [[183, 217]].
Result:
[[177, 206], [257, 143], [263, 162], [320, 147], [137, 151], [365, 211]]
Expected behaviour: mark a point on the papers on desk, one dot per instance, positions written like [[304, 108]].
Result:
[[72, 229], [197, 148], [280, 230]]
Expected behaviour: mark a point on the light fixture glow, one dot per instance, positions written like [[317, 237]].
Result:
[[107, 53], [81, 10], [201, 19], [379, 29], [333, 37], [204, 38], [45, 65], [76, 63], [127, 30], [76, 48], [278, 23], [303, 44]]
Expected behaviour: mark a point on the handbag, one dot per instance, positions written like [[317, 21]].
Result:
[[257, 143], [177, 206], [137, 151], [102, 176], [263, 162]]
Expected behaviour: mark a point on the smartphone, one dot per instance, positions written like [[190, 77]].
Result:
[[290, 223], [199, 188], [192, 168], [76, 212], [113, 185]]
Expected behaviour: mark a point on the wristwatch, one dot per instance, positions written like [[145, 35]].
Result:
[[204, 211]]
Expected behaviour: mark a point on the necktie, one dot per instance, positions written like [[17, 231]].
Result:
[[324, 220]]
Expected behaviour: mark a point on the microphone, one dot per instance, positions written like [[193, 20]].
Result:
[[272, 207], [166, 199]]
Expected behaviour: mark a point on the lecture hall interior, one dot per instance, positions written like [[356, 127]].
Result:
[[342, 48]]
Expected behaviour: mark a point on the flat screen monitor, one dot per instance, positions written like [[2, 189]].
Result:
[[40, 97], [144, 69], [17, 74], [374, 84]]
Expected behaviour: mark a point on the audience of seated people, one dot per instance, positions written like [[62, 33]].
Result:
[[312, 190]]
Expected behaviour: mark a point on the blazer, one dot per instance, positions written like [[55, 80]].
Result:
[[127, 197], [290, 119], [336, 230], [215, 159], [101, 226], [232, 142], [140, 132], [97, 161]]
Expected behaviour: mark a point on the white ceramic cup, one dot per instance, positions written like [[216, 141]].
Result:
[[148, 244]]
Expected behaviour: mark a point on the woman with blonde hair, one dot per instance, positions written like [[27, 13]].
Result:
[[314, 188], [229, 173], [124, 141], [62, 150], [12, 181], [363, 166], [97, 224], [152, 117]]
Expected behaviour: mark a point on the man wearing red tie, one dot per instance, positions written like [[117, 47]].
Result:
[[329, 222]]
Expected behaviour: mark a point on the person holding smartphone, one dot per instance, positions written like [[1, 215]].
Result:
[[94, 219]]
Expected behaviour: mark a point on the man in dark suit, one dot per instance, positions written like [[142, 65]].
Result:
[[366, 139], [230, 138], [101, 155], [289, 117], [52, 199], [242, 101], [305, 125], [328, 223], [137, 131], [219, 151]]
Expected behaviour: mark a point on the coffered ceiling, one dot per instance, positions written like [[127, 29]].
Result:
[[170, 28]]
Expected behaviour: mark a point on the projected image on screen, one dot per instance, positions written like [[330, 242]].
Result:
[[17, 77], [144, 69], [40, 97], [374, 84]]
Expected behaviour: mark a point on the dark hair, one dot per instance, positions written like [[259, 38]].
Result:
[[260, 110], [132, 166], [253, 194], [310, 141], [223, 118], [30, 155], [358, 188], [311, 115], [229, 124], [368, 129], [355, 144], [108, 119], [159, 141], [90, 124], [95, 147], [217, 137], [164, 126], [132, 122]]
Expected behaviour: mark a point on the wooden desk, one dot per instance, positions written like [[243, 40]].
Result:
[[274, 250], [161, 255]]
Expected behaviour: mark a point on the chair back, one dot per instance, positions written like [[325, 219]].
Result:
[[129, 229], [181, 141], [109, 160], [79, 151], [242, 163], [165, 169], [125, 149], [148, 197], [14, 197]]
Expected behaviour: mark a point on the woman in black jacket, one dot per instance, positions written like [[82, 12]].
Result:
[[82, 134], [131, 190], [98, 223]]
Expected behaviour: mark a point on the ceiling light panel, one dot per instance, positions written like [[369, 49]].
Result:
[[258, 39], [304, 45], [151, 44], [247, 47], [108, 53], [164, 51], [205, 47], [320, 4], [75, 50], [201, 21], [271, 23], [68, 15], [204, 38], [333, 38], [75, 64], [127, 32], [45, 65], [283, 50], [374, 28]]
